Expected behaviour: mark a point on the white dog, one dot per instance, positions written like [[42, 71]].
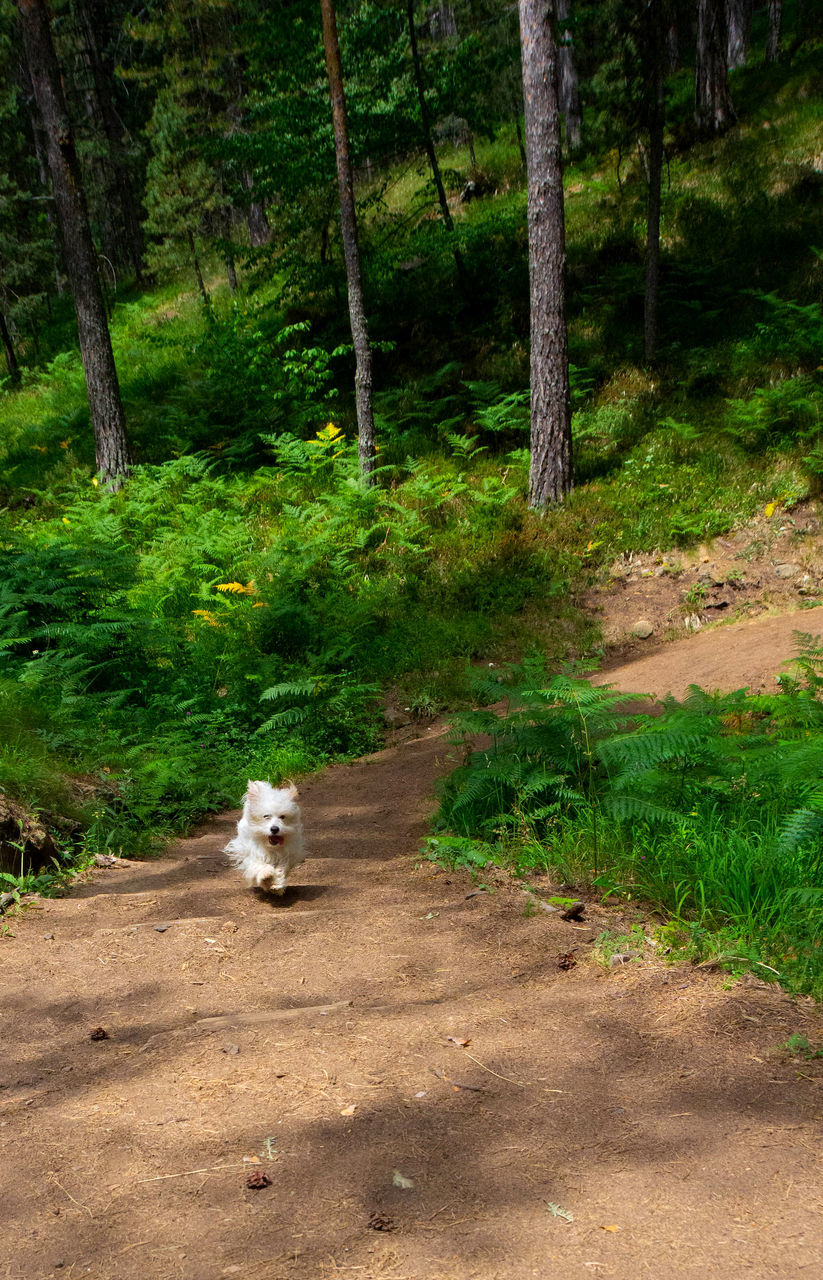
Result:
[[269, 840]]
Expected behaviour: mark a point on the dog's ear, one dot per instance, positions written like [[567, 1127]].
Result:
[[291, 790], [252, 790]]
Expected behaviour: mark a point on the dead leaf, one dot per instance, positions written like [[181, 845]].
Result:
[[609, 1228], [461, 1044], [349, 1111], [99, 1033], [257, 1181]]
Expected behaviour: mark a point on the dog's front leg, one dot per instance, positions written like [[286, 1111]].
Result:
[[262, 875]]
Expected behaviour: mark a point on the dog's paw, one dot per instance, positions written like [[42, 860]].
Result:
[[273, 881]]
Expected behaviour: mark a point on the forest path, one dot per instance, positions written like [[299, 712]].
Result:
[[631, 1122]]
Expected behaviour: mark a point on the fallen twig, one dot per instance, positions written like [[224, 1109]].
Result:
[[186, 1173], [522, 1084]]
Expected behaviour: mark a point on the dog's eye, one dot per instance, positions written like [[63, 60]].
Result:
[[282, 817], [266, 815]]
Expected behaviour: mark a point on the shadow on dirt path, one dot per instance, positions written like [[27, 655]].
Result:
[[428, 1094]]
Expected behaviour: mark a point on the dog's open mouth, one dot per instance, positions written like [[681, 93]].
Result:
[[275, 840]]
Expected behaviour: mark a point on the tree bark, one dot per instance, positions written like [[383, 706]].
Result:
[[738, 15], [106, 407], [773, 45], [195, 261], [120, 186], [551, 441], [36, 124], [9, 352], [714, 112], [258, 223], [351, 251], [569, 87], [428, 141], [655, 46]]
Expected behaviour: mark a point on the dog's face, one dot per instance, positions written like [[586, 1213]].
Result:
[[272, 813]]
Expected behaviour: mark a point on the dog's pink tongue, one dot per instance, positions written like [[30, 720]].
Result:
[[275, 840]]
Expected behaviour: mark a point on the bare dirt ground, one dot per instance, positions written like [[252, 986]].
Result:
[[772, 565], [426, 1092]]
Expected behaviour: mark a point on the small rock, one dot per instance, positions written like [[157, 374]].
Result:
[[622, 957], [395, 719], [642, 629], [257, 1181], [99, 1033], [48, 937], [574, 912], [788, 570]]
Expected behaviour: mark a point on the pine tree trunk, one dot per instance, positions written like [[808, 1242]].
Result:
[[351, 251], [195, 262], [774, 31], [27, 92], [9, 352], [90, 17], [714, 112], [107, 417], [656, 122], [738, 14], [569, 88], [258, 223], [428, 141], [551, 442]]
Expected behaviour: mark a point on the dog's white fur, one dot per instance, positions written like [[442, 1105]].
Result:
[[269, 840]]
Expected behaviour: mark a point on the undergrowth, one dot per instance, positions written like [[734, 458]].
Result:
[[709, 809]]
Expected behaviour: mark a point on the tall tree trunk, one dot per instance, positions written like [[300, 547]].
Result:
[[568, 84], [774, 31], [714, 112], [351, 251], [738, 15], [228, 251], [428, 141], [36, 124], [90, 18], [551, 440], [656, 52], [195, 262], [9, 352], [106, 407], [258, 223]]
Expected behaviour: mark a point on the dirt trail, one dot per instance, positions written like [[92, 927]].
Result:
[[617, 1123]]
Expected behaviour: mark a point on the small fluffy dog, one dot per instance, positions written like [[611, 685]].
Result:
[[269, 840]]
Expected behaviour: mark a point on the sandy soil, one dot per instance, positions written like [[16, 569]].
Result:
[[427, 1092]]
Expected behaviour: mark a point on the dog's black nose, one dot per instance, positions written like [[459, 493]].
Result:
[[274, 829]]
